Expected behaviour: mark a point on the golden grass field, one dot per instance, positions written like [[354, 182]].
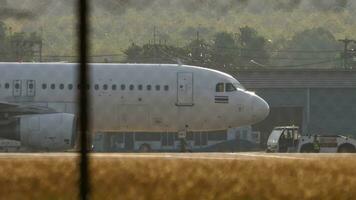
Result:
[[163, 178]]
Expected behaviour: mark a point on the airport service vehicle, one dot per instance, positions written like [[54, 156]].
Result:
[[38, 101], [9, 145], [289, 139], [232, 140]]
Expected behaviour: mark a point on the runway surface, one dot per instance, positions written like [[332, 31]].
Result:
[[193, 156]]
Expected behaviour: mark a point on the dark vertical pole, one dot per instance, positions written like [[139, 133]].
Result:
[[83, 97], [41, 50], [154, 35], [41, 43], [346, 51], [154, 44]]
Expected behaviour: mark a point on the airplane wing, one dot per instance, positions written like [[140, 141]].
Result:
[[19, 109]]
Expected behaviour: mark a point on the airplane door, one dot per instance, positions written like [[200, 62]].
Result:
[[30, 88], [17, 88], [185, 89]]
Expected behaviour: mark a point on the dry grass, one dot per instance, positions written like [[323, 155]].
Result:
[[152, 178]]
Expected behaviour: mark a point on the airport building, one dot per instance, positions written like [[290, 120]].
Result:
[[321, 101]]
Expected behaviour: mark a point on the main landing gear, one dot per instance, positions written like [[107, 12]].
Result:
[[182, 135]]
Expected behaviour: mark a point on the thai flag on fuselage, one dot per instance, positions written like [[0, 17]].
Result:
[[221, 99]]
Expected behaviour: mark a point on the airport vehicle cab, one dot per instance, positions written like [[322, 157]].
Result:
[[283, 139]]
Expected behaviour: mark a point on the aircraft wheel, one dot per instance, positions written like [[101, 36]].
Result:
[[346, 148], [145, 148], [307, 148]]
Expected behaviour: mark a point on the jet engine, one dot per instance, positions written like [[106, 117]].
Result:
[[52, 132]]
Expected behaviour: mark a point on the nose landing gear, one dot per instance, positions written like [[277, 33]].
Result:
[[182, 140]]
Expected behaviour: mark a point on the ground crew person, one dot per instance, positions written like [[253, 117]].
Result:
[[316, 145]]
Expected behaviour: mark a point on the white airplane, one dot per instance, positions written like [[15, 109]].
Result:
[[38, 101]]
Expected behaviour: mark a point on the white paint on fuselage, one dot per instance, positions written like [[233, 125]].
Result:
[[135, 110]]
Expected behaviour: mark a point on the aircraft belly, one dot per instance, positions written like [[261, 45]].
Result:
[[213, 118], [131, 117], [103, 116], [150, 114], [163, 117]]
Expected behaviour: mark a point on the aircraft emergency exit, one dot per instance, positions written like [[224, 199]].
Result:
[[38, 101]]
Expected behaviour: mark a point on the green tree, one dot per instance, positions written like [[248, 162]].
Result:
[[199, 52], [316, 47], [2, 31], [3, 45], [224, 51], [133, 54], [155, 53], [19, 46], [253, 47]]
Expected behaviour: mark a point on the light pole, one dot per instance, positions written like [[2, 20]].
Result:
[[345, 56]]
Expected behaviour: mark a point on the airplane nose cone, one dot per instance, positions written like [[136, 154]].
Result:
[[260, 109]]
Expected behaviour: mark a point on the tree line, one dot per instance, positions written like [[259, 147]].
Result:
[[316, 47], [225, 50], [18, 46]]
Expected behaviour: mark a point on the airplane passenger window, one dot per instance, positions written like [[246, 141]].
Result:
[[61, 86], [96, 87], [139, 87], [113, 87], [7, 85], [166, 87], [219, 87], [70, 86], [30, 86], [105, 87], [230, 87], [44, 86], [158, 87], [132, 87], [17, 86], [123, 87], [53, 86], [148, 87]]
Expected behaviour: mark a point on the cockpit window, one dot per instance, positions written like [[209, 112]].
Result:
[[239, 86], [219, 87], [230, 87]]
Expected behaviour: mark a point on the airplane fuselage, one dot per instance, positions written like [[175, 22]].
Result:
[[136, 97]]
